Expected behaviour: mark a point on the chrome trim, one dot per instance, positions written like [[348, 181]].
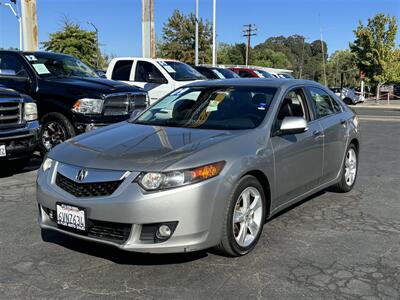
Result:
[[92, 175]]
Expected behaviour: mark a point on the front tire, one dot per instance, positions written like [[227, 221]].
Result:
[[244, 218], [55, 129], [349, 171]]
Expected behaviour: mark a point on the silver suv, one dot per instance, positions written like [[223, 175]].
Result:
[[203, 167]]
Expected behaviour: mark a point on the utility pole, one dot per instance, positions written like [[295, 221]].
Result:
[[148, 37], [18, 16], [196, 43], [249, 30], [302, 57], [214, 46], [29, 25], [97, 45]]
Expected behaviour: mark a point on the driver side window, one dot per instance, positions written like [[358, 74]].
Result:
[[146, 70], [11, 66]]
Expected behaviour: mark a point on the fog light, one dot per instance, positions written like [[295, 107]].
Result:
[[163, 232]]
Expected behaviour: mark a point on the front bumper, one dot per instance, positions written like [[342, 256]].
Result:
[[196, 209], [20, 142]]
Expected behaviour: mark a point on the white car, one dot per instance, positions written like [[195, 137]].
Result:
[[157, 76]]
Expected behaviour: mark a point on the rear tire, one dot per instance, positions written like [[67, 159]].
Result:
[[243, 223], [55, 129], [349, 171]]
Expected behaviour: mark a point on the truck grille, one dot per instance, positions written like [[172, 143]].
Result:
[[10, 114], [92, 189], [124, 103]]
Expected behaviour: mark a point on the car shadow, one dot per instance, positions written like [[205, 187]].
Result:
[[295, 205], [11, 168], [116, 255]]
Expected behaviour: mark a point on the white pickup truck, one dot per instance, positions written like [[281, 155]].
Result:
[[157, 76]]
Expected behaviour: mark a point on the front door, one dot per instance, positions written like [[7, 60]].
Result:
[[150, 78], [298, 157], [13, 73]]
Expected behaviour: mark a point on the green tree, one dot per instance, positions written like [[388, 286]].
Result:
[[178, 38], [231, 54], [75, 41], [374, 49], [342, 61], [266, 57]]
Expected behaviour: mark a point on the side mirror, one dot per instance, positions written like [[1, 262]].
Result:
[[153, 79], [292, 125]]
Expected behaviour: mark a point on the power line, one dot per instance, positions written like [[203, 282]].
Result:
[[249, 30]]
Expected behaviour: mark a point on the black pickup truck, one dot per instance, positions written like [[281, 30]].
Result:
[[71, 97], [19, 127]]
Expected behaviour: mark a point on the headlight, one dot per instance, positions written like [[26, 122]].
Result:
[[46, 164], [30, 111], [160, 181], [88, 106]]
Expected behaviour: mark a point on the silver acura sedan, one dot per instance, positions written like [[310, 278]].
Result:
[[203, 167]]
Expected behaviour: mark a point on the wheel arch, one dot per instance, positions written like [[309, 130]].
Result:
[[263, 179]]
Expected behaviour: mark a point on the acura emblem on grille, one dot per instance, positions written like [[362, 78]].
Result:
[[82, 173]]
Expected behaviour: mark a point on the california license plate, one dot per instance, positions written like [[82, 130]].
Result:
[[3, 150], [71, 216]]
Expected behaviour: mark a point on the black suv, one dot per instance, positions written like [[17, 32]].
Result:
[[19, 127], [71, 97]]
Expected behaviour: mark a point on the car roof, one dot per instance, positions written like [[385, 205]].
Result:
[[49, 54], [256, 82]]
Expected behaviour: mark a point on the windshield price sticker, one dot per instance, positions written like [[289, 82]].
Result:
[[163, 63], [41, 69], [31, 57], [169, 69]]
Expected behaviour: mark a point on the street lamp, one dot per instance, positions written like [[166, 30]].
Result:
[[97, 44], [18, 16]]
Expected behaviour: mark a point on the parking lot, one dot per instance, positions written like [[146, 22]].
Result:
[[340, 246]]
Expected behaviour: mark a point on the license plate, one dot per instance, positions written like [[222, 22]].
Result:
[[71, 216], [3, 150]]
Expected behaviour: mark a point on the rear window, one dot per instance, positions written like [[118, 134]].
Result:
[[122, 70]]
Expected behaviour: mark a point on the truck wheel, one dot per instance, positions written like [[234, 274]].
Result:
[[55, 129]]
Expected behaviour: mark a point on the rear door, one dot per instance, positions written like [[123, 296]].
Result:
[[122, 70], [298, 157], [334, 123]]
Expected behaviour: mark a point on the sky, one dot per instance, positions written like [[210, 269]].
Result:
[[119, 21]]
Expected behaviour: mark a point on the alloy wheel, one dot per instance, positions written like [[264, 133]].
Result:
[[350, 167], [53, 134], [247, 216]]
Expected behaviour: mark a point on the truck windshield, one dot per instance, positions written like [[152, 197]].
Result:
[[180, 71], [226, 108], [59, 66]]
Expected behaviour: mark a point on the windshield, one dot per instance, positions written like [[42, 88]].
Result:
[[59, 66], [180, 71], [226, 108], [263, 73], [225, 73]]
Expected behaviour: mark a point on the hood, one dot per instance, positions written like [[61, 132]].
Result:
[[91, 84], [126, 146]]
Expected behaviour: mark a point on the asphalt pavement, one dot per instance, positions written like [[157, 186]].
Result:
[[331, 246]]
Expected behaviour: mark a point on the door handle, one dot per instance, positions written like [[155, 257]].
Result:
[[318, 134]]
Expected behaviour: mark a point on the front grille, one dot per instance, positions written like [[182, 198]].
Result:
[[10, 114], [107, 231], [87, 189], [124, 104]]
